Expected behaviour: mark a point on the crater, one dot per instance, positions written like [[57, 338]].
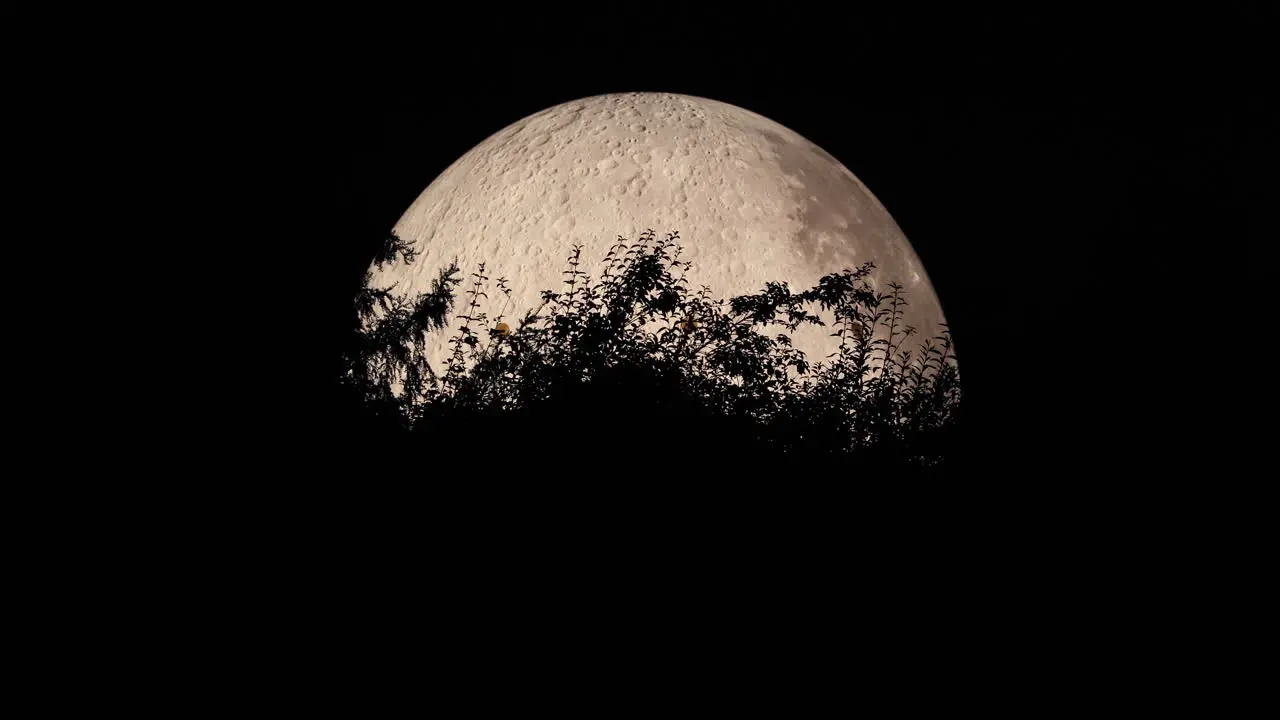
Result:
[[564, 224]]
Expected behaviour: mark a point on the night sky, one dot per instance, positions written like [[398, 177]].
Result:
[[1078, 186], [1044, 182]]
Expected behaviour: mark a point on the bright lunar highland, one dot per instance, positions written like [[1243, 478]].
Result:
[[753, 202]]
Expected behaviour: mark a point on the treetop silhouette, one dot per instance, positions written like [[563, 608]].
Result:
[[639, 350]]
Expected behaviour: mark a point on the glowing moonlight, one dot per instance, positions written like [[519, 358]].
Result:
[[752, 201]]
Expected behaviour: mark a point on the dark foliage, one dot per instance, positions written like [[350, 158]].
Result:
[[639, 361], [392, 249]]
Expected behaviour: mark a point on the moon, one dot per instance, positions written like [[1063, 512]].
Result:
[[752, 200]]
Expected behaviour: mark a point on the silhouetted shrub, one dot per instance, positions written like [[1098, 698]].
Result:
[[637, 357]]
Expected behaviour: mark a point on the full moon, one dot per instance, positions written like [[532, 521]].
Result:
[[752, 201]]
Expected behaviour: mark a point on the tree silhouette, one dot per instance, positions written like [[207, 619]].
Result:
[[637, 357]]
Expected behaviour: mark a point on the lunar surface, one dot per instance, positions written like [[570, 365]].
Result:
[[753, 202]]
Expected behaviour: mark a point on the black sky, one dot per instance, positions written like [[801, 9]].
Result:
[[1044, 168]]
